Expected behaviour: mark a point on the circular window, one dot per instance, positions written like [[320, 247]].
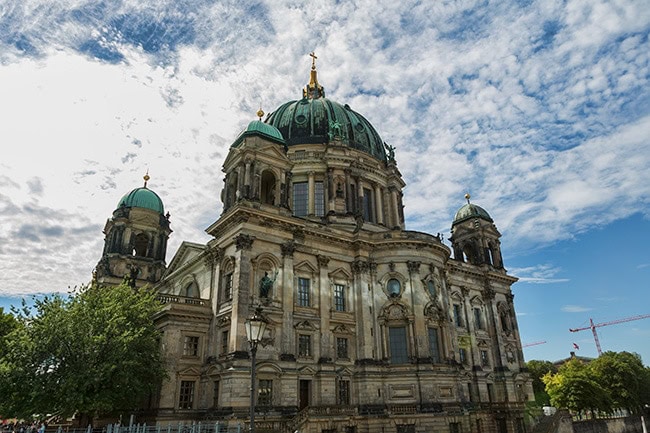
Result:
[[431, 286], [301, 118], [359, 127], [393, 287]]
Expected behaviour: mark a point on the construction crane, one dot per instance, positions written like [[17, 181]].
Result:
[[533, 344], [593, 327]]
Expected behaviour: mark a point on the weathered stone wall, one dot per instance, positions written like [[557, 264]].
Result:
[[618, 425]]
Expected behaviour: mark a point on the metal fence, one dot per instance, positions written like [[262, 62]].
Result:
[[195, 427]]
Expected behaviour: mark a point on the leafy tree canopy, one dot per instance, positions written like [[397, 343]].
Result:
[[624, 376], [94, 352], [574, 388], [8, 323], [537, 369]]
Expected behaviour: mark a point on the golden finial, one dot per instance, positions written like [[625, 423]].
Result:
[[313, 60], [146, 178], [467, 197], [260, 113], [313, 90]]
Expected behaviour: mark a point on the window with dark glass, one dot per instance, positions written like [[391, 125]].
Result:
[[191, 346], [458, 316], [224, 342], [462, 354], [405, 428], [227, 287], [339, 297], [186, 395], [265, 392], [393, 287], [319, 199], [215, 394], [431, 287], [342, 348], [368, 213], [343, 392], [300, 198], [478, 318], [485, 360], [303, 292], [398, 345], [304, 345], [454, 427], [434, 348]]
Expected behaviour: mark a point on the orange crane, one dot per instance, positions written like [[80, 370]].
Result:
[[593, 327], [533, 344]]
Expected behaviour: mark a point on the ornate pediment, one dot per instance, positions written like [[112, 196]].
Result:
[[305, 325]]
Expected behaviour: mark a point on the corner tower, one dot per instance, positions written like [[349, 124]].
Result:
[[474, 237], [135, 242]]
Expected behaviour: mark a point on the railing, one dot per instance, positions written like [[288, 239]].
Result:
[[174, 299], [194, 427]]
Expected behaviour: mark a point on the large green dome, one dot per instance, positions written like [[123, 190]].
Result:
[[143, 198], [470, 211], [314, 119], [320, 120]]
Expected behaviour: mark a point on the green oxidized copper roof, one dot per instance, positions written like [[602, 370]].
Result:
[[143, 198], [314, 119], [320, 120], [470, 211], [257, 127]]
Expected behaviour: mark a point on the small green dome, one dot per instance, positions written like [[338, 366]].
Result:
[[143, 198], [316, 120], [470, 211], [257, 127]]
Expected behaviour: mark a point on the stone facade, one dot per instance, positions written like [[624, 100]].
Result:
[[372, 327]]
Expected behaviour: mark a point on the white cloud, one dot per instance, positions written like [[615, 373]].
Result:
[[540, 112], [575, 309]]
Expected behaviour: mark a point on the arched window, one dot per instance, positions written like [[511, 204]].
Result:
[[140, 245], [267, 188], [191, 290]]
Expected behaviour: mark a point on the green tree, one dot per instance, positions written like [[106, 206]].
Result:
[[624, 376], [94, 352], [8, 323], [574, 388], [537, 369]]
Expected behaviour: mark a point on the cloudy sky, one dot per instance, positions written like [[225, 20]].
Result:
[[541, 110]]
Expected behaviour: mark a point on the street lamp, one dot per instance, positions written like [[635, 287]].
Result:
[[255, 328]]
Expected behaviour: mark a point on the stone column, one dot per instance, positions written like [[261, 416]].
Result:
[[379, 205], [325, 291], [311, 197], [241, 307], [287, 339]]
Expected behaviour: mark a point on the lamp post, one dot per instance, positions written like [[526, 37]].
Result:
[[255, 328]]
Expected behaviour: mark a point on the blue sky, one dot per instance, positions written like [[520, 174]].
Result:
[[539, 109]]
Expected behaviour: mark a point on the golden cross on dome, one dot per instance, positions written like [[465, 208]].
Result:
[[313, 60], [146, 178]]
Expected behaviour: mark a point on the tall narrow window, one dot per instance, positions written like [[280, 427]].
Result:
[[343, 392], [458, 316], [478, 319], [303, 292], [186, 395], [368, 211], [300, 198], [454, 427], [462, 355], [215, 394], [485, 360], [227, 287], [319, 199], [304, 345], [434, 348], [342, 348], [265, 392], [224, 342], [398, 345], [191, 346], [431, 287], [339, 297]]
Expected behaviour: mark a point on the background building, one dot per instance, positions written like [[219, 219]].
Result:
[[372, 327]]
